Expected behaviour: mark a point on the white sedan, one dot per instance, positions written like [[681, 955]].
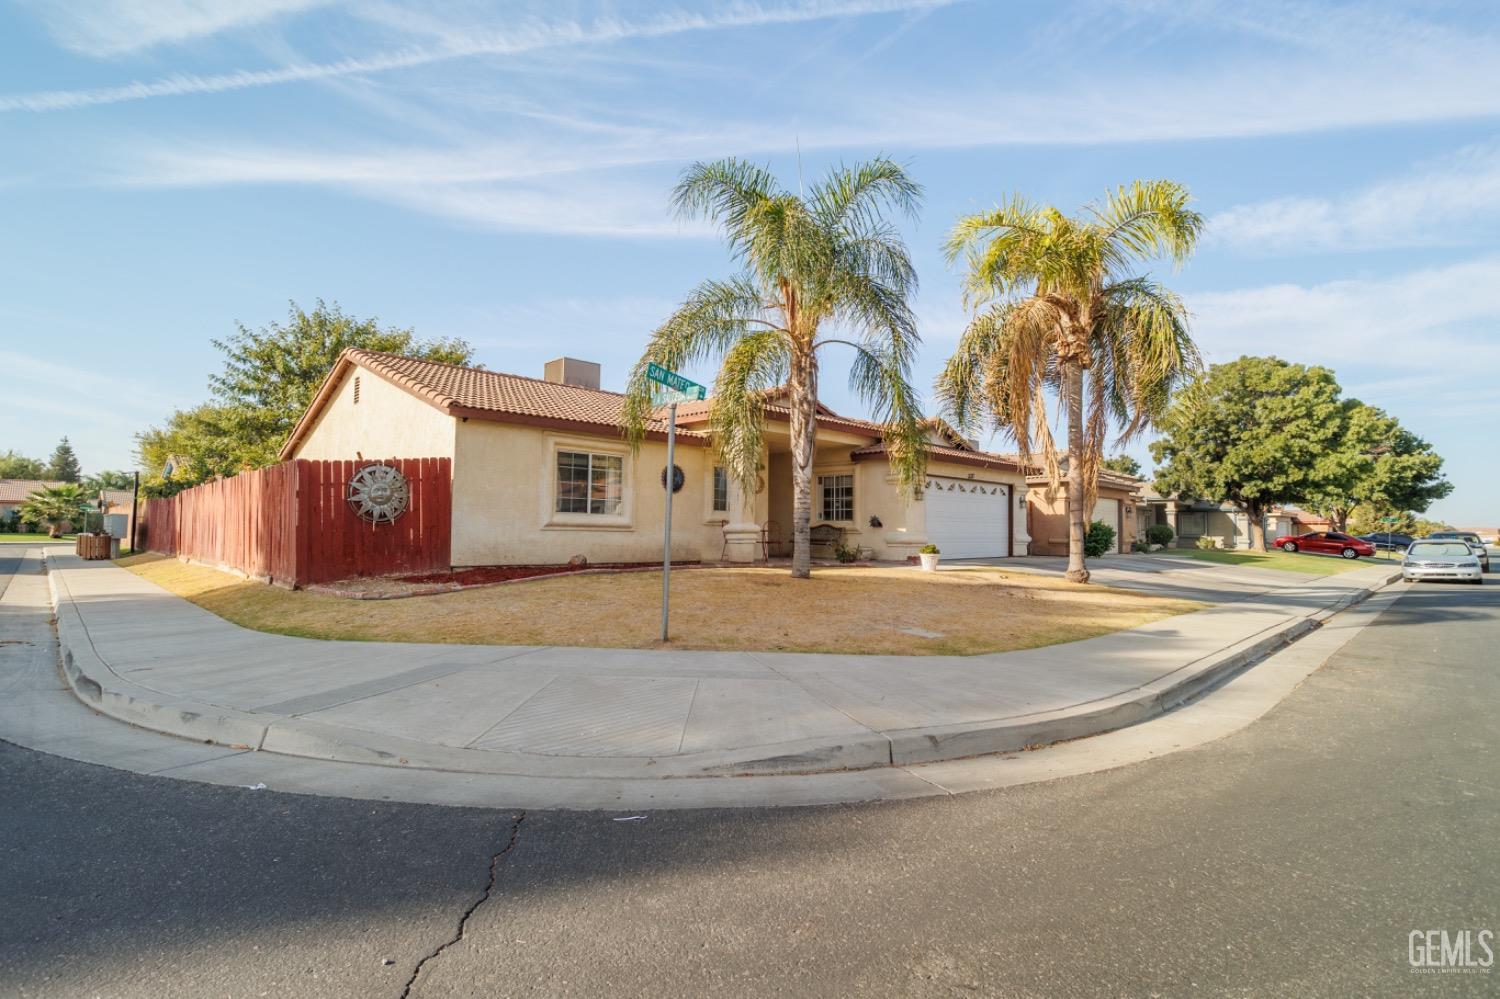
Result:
[[1428, 559]]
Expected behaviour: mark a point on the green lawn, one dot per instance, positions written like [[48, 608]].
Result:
[[1311, 565], [30, 539]]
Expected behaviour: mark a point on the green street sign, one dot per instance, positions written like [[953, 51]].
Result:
[[685, 389], [1390, 520]]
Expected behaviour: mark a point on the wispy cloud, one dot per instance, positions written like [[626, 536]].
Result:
[[115, 27], [533, 37], [1419, 322], [1452, 200]]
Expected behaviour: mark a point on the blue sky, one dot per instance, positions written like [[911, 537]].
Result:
[[500, 172]]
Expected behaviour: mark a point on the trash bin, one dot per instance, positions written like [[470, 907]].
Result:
[[114, 547]]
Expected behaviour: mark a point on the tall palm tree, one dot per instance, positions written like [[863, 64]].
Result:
[[821, 269], [1061, 309]]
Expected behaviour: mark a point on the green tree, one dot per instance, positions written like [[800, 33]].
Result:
[[99, 481], [1380, 464], [1122, 463], [18, 466], [1064, 312], [58, 507], [823, 269], [64, 463], [268, 378], [1254, 432]]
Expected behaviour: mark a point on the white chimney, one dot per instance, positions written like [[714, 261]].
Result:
[[572, 371]]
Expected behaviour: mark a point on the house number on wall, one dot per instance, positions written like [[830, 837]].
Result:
[[379, 493]]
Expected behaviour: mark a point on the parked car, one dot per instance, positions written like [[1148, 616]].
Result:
[[1327, 543], [1469, 538], [1387, 542], [1435, 558]]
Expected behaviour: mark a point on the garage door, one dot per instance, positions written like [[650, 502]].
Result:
[[1108, 510], [968, 519]]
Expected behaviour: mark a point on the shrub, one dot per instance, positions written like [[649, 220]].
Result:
[[930, 550], [1208, 542], [1139, 547], [1099, 539], [1160, 534], [846, 554]]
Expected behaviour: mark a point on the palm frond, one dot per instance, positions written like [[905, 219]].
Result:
[[716, 316], [724, 192], [756, 363], [1150, 218], [1001, 248], [960, 387], [856, 198], [1145, 327], [881, 379]]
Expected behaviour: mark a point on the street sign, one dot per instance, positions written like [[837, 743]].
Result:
[[679, 388]]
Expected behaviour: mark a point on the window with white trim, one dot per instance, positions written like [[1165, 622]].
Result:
[[721, 490], [836, 495], [589, 483]]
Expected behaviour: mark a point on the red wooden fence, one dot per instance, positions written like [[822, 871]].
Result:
[[291, 523]]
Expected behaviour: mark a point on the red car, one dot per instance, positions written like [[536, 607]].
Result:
[[1327, 543]]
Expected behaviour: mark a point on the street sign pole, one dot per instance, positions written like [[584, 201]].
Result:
[[678, 388], [666, 545]]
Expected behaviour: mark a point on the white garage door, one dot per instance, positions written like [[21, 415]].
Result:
[[968, 519], [1108, 510]]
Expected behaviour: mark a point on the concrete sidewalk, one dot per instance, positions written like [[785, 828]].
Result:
[[142, 655]]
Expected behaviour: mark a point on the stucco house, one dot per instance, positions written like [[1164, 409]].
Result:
[[542, 472], [14, 492], [1192, 519], [1119, 504]]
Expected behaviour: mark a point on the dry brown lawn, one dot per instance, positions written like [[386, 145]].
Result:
[[858, 610]]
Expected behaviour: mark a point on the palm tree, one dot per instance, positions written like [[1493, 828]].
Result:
[[823, 269], [55, 506], [1062, 310]]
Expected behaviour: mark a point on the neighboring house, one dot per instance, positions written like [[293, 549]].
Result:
[[117, 507], [1119, 504], [541, 470], [14, 492], [1194, 519], [1307, 523]]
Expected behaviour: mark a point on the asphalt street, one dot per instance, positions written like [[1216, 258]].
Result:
[[1293, 858]]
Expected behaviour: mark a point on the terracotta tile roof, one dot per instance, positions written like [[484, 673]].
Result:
[[115, 497], [935, 452], [452, 386], [17, 490], [697, 412], [473, 392]]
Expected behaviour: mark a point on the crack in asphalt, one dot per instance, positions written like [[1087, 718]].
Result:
[[463, 920]]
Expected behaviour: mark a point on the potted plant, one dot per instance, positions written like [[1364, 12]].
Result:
[[929, 555]]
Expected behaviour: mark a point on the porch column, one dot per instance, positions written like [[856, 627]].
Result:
[[1170, 509], [742, 533], [1019, 508]]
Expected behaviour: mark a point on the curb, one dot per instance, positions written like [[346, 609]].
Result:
[[100, 688]]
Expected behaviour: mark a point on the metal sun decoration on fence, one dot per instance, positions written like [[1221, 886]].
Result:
[[379, 493]]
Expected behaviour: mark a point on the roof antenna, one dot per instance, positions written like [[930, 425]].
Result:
[[798, 139]]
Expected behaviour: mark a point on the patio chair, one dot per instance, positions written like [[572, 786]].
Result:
[[770, 539]]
